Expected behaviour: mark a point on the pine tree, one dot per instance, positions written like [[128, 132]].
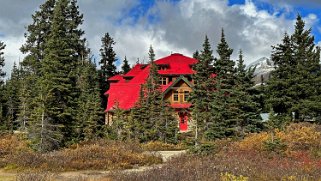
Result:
[[2, 73], [107, 64], [307, 57], [279, 86], [89, 110], [125, 67], [36, 38], [151, 54], [57, 98], [12, 102], [224, 110], [248, 116], [2, 99], [201, 97], [37, 35], [295, 83], [196, 54]]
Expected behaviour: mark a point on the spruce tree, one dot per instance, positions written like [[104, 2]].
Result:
[[201, 97], [307, 58], [107, 64], [294, 87], [196, 54], [151, 54], [248, 118], [125, 67], [2, 95], [2, 73], [279, 86], [224, 108], [89, 110], [57, 98], [11, 99], [36, 37]]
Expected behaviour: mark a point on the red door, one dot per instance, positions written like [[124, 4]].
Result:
[[183, 118]]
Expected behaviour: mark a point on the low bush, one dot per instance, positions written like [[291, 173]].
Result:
[[295, 137], [98, 155], [161, 146]]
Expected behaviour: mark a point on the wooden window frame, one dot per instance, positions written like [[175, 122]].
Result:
[[163, 80], [175, 93], [184, 94]]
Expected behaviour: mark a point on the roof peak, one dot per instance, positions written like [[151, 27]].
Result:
[[177, 54]]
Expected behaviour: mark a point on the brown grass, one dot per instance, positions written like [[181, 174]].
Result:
[[245, 161], [98, 155]]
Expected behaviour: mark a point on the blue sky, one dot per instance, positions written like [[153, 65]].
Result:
[[171, 25]]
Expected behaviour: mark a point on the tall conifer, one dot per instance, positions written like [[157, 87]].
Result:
[[125, 67], [201, 96], [107, 65]]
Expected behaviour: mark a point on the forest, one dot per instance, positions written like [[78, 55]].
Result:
[[54, 100]]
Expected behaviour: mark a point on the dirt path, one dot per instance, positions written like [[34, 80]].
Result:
[[96, 175]]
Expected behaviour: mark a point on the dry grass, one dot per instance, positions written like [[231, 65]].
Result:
[[97, 155], [160, 146], [246, 160]]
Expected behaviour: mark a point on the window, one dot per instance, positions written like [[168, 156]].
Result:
[[163, 81], [175, 96], [186, 96]]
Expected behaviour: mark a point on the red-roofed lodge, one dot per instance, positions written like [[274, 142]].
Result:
[[176, 82]]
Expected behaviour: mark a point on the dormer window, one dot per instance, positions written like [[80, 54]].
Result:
[[163, 67], [163, 81]]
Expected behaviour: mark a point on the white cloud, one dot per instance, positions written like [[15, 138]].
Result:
[[179, 27]]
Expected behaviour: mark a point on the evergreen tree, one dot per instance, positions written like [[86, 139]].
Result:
[[2, 74], [224, 105], [89, 110], [196, 54], [294, 87], [36, 37], [30, 70], [248, 117], [12, 102], [57, 98], [152, 118], [201, 97], [107, 64], [279, 86], [125, 67], [307, 58], [151, 54]]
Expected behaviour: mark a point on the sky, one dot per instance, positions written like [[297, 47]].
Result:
[[170, 26]]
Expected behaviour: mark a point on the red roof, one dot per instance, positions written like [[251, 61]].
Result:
[[116, 78], [125, 93]]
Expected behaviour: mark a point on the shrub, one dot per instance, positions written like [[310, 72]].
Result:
[[230, 177], [106, 155], [35, 176], [295, 137], [203, 149], [275, 145], [161, 146]]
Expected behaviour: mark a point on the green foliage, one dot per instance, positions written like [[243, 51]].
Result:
[[275, 145], [203, 149], [201, 96], [152, 118], [107, 66], [125, 67], [295, 84]]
